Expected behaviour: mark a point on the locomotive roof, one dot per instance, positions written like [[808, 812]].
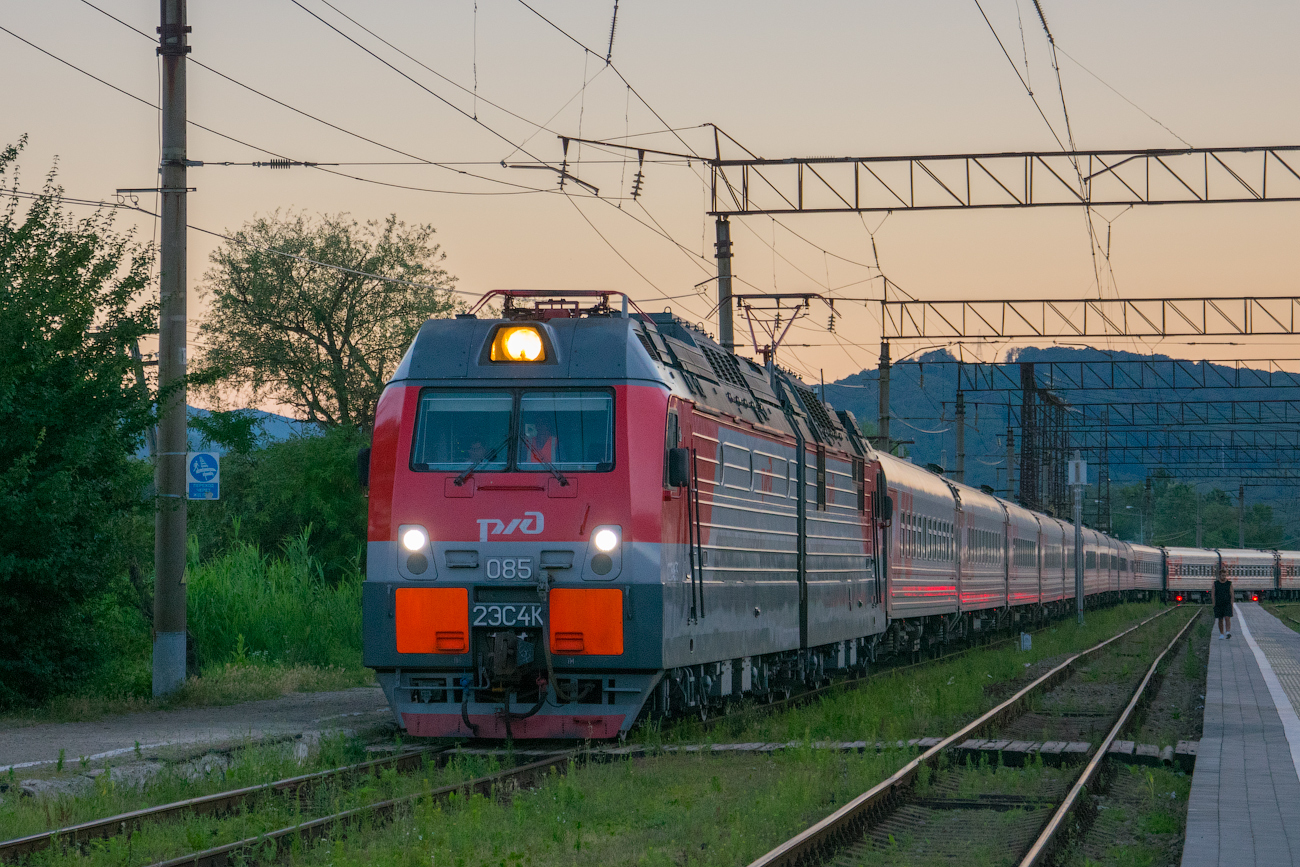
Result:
[[607, 345]]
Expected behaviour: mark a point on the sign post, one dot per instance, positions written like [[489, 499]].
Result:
[[1078, 478], [203, 476]]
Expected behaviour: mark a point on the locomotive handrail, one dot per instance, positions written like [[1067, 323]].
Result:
[[556, 293]]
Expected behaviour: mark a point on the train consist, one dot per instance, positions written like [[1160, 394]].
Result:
[[581, 516]]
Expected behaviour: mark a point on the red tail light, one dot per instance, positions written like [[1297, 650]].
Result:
[[1178, 598], [1254, 597]]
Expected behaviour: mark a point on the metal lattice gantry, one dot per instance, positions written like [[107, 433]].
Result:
[[1011, 319], [1165, 176], [1200, 413], [1124, 374]]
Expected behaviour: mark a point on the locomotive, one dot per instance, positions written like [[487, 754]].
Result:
[[582, 515]]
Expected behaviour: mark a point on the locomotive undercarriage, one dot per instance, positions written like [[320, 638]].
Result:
[[513, 683]]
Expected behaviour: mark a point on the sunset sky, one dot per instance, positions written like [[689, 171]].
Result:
[[857, 79]]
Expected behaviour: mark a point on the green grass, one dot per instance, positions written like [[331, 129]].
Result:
[[1143, 817], [673, 810], [249, 765], [161, 841], [246, 606], [919, 702], [263, 626]]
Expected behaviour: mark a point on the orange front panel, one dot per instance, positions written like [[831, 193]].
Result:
[[432, 620], [586, 622]]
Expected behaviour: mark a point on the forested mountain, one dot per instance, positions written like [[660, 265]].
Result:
[[923, 392]]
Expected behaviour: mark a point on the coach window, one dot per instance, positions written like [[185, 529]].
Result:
[[821, 478], [672, 436], [735, 467], [860, 483]]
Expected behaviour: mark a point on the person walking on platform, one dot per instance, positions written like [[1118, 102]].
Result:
[[1223, 601]]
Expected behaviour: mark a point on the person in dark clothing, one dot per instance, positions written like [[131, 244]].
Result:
[[1223, 601]]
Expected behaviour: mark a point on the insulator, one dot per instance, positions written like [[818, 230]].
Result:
[[636, 183], [830, 325]]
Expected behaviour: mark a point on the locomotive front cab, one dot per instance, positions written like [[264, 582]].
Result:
[[509, 545]]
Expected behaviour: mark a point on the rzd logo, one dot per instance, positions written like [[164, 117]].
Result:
[[531, 523]]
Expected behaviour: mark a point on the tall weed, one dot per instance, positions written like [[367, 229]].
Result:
[[246, 607]]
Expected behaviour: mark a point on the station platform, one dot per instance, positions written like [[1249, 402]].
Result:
[[1245, 802]]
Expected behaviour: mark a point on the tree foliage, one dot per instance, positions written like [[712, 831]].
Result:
[[72, 499], [271, 494], [321, 340], [1167, 516]]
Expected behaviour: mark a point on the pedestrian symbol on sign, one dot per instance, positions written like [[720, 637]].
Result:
[[203, 476]]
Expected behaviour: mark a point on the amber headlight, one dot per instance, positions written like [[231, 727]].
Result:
[[518, 343]]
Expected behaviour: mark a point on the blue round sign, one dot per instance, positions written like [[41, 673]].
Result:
[[203, 467]]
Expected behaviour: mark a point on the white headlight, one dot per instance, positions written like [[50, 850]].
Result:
[[414, 539], [606, 540]]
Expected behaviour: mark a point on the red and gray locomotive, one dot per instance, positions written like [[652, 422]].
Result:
[[582, 515]]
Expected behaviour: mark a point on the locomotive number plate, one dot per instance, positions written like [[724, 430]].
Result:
[[509, 568], [517, 614]]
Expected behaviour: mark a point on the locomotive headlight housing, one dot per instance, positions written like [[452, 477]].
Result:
[[518, 343], [605, 540], [414, 538], [606, 553]]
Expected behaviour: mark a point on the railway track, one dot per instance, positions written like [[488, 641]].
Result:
[[919, 799], [219, 803], [268, 845]]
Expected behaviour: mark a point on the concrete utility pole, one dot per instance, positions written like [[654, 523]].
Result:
[[169, 523], [1198, 520], [1241, 516], [1011, 461], [960, 474], [883, 423], [1078, 478], [726, 331]]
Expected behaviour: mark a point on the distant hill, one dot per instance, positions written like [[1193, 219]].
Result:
[[274, 429], [923, 392]]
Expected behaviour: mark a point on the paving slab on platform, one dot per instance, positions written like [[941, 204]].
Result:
[[1245, 802]]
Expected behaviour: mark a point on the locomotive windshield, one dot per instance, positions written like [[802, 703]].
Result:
[[523, 430], [572, 430], [458, 429]]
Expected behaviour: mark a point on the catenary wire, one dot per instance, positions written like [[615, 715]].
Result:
[[238, 141], [419, 160], [416, 82], [24, 194]]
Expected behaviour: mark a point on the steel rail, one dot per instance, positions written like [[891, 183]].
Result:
[[1045, 846], [219, 802], [266, 847], [850, 820]]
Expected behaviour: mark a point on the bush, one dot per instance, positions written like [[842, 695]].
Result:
[[271, 494], [246, 607], [72, 500]]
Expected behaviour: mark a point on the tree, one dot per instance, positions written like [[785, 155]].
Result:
[[72, 303], [1170, 516], [319, 339], [271, 493]]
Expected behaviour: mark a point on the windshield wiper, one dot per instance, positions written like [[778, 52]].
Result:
[[550, 467], [488, 458]]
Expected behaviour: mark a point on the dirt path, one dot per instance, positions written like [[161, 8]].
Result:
[[37, 745]]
